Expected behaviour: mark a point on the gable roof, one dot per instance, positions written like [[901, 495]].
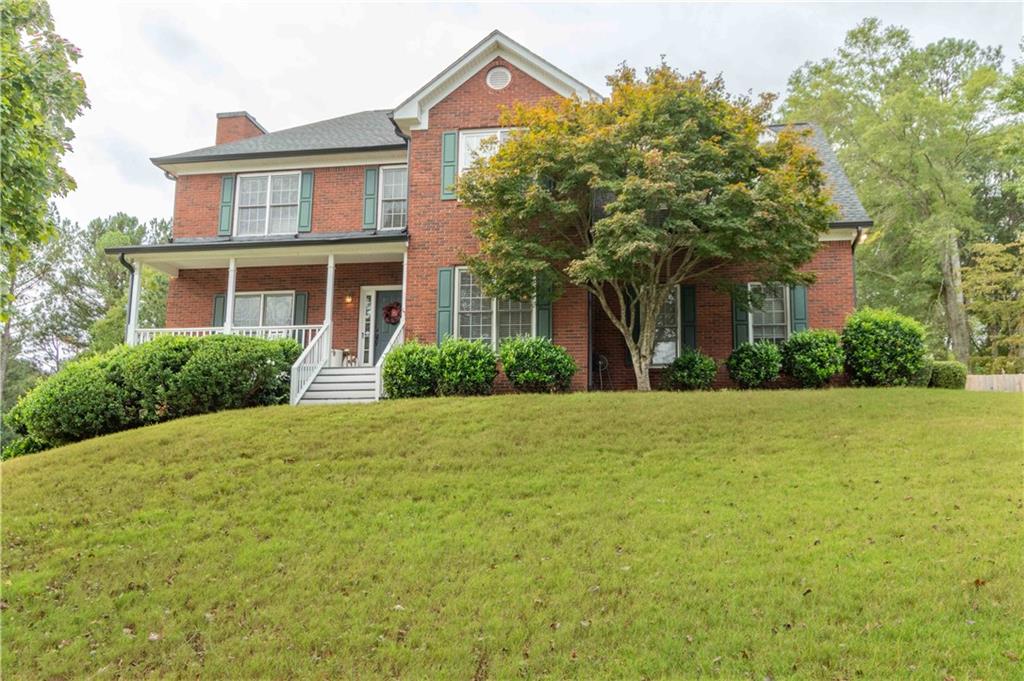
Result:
[[851, 212], [414, 112], [363, 131]]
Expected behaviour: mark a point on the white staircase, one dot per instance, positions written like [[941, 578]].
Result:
[[342, 386]]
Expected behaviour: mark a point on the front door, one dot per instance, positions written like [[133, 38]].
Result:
[[387, 312]]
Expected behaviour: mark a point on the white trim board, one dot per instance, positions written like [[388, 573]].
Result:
[[297, 162]]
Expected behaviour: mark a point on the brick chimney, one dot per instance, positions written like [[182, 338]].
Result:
[[237, 125]]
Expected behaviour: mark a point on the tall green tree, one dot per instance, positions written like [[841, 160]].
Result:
[[665, 181], [40, 94], [910, 124], [994, 284]]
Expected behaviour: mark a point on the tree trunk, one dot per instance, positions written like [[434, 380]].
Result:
[[643, 376], [5, 335], [953, 301]]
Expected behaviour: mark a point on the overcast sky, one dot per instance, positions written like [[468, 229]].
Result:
[[158, 72]]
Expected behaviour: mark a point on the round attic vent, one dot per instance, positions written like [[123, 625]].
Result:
[[498, 78]]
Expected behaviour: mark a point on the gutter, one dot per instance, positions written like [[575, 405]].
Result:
[[159, 161], [131, 271], [185, 247]]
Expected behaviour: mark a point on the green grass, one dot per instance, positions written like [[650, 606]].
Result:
[[837, 534]]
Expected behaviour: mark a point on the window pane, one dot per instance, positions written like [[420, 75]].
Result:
[[277, 309], [515, 318], [393, 184], [284, 189], [769, 322], [252, 191], [475, 145], [284, 219], [251, 220], [666, 331], [247, 311], [393, 214], [474, 309]]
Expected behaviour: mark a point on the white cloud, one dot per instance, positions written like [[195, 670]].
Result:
[[158, 72]]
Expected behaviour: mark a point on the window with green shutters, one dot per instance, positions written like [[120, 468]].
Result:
[[449, 164]]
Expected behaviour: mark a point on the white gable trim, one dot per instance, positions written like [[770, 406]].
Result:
[[414, 112]]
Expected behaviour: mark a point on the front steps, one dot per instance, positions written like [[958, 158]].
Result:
[[342, 385]]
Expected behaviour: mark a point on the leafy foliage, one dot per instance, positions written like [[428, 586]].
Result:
[[813, 357], [949, 375], [994, 286], [466, 368], [664, 181], [923, 377], [754, 365], [536, 365], [691, 370], [411, 370], [882, 347]]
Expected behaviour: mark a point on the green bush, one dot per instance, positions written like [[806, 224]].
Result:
[[882, 347], [16, 440], [149, 374], [949, 375], [999, 364], [536, 365], [691, 370], [923, 377], [466, 368], [753, 365], [410, 370], [812, 357]]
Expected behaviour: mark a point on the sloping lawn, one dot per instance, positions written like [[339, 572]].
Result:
[[839, 534]]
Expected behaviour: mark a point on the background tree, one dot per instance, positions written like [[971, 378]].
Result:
[[688, 188], [994, 285], [40, 95], [916, 130]]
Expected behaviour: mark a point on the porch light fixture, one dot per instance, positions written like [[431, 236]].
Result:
[[348, 297]]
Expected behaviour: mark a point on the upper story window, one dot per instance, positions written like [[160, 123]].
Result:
[[491, 320], [268, 203], [473, 145], [770, 323], [394, 191]]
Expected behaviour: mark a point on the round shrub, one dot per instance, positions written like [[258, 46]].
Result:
[[410, 370], [812, 357], [949, 375], [149, 374], [882, 347], [691, 370], [923, 377], [753, 365], [536, 365], [16, 440], [466, 368]]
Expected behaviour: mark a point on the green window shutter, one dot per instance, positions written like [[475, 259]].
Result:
[[445, 302], [218, 309], [449, 164], [544, 328], [227, 204], [740, 329], [688, 295], [306, 201], [797, 308], [299, 311], [370, 198]]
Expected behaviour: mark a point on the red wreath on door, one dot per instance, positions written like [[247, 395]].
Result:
[[392, 313]]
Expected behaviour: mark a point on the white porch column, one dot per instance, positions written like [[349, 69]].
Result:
[[134, 294], [329, 300], [405, 277], [229, 299]]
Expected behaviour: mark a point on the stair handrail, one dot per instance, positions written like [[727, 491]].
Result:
[[397, 337], [310, 362]]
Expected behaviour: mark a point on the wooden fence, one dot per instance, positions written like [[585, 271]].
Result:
[[1004, 383]]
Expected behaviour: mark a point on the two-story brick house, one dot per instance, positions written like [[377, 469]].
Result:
[[347, 235]]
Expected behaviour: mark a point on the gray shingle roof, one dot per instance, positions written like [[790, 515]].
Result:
[[851, 212], [363, 131]]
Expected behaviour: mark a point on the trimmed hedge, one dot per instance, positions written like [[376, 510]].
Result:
[[813, 357], [466, 368], [411, 370], [923, 377], [536, 365], [753, 365], [949, 375], [882, 347], [153, 382], [691, 370]]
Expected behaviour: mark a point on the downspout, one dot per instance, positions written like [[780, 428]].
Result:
[[131, 277], [408, 211], [590, 342], [853, 262]]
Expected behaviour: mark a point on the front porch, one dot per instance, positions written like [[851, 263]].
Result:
[[341, 299]]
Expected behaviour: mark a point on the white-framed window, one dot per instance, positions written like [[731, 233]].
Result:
[[393, 192], [667, 331], [480, 317], [472, 145], [268, 203], [266, 308], [770, 322]]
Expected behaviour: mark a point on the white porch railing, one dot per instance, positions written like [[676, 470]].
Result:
[[302, 334], [397, 337], [310, 362]]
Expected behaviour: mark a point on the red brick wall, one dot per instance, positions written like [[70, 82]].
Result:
[[234, 128], [829, 301], [190, 298], [440, 232]]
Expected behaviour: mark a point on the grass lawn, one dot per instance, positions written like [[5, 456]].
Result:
[[842, 534]]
